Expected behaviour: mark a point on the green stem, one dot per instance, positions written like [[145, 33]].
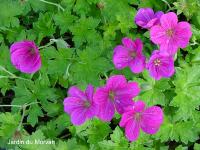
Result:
[[4, 69], [166, 2], [22, 118], [19, 106], [48, 44], [32, 103], [23, 113], [12, 76], [3, 77], [67, 71], [106, 76], [55, 4]]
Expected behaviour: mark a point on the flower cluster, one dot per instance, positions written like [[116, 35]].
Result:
[[166, 31], [116, 96]]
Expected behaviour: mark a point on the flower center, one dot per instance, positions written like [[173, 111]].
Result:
[[137, 116], [87, 104], [32, 50], [157, 62], [112, 95], [170, 32], [133, 54]]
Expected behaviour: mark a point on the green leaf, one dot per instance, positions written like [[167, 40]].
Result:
[[196, 146], [66, 23], [98, 132], [56, 62], [187, 87], [187, 7], [34, 112], [89, 66], [8, 125], [44, 26], [152, 91], [84, 31], [8, 14], [175, 131]]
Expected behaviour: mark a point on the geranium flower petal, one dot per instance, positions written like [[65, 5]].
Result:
[[116, 82], [139, 106], [101, 95], [169, 20], [120, 57], [129, 91], [78, 116], [151, 119], [183, 34], [106, 111], [125, 118], [132, 130], [91, 111], [158, 35], [127, 42], [153, 71], [138, 64], [138, 46], [122, 103], [143, 16], [76, 92], [158, 14], [169, 48], [89, 92], [72, 103]]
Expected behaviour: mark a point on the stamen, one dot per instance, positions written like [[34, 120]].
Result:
[[157, 62], [87, 104], [112, 95], [137, 116], [32, 50], [170, 32], [133, 54]]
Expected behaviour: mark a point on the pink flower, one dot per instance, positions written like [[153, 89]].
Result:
[[80, 105], [137, 116], [25, 56], [129, 55], [146, 18], [160, 65], [116, 94], [170, 34]]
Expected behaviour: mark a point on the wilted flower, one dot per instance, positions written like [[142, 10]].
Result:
[[116, 94], [25, 56], [137, 116], [80, 104], [146, 18], [170, 34], [160, 65], [129, 55]]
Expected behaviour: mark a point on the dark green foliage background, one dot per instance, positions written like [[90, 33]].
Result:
[[82, 38]]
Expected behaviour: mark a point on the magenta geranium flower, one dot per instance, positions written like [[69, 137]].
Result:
[[160, 65], [80, 105], [25, 56], [137, 116], [129, 55], [171, 34], [116, 94], [146, 18]]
